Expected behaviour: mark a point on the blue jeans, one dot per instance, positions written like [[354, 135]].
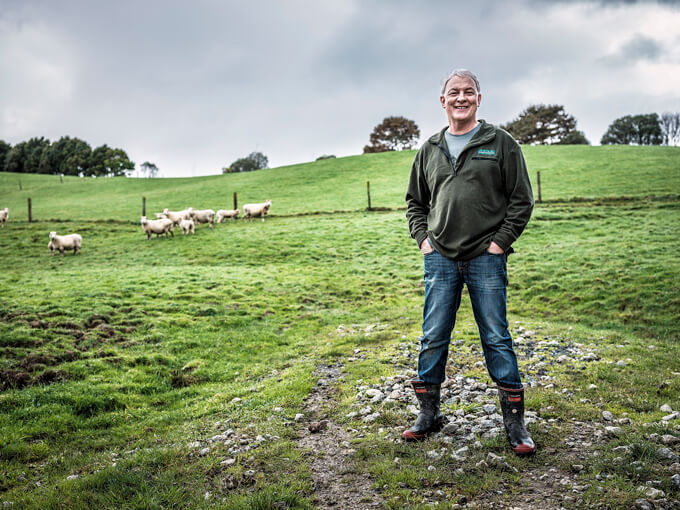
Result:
[[486, 278]]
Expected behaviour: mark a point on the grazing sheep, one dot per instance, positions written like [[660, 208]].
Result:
[[158, 227], [204, 216], [61, 243], [160, 215], [187, 226], [177, 216], [250, 210], [4, 216], [223, 214]]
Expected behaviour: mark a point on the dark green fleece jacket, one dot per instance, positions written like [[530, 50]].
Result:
[[485, 196]]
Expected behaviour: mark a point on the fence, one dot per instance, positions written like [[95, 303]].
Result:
[[235, 197]]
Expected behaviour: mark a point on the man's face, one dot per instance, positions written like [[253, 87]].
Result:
[[461, 99]]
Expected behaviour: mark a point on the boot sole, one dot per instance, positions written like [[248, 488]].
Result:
[[409, 435], [524, 449]]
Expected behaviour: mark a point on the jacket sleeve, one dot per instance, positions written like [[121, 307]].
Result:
[[519, 196], [417, 200]]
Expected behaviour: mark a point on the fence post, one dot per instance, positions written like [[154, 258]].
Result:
[[143, 206], [368, 193], [538, 181], [20, 185], [30, 211], [235, 201], [61, 178]]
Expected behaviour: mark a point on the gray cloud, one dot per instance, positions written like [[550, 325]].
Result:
[[616, 3], [638, 48], [641, 48], [192, 87]]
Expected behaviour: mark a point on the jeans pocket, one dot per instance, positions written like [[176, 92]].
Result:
[[431, 246]]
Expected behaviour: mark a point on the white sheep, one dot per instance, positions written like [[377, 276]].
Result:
[[158, 227], [67, 242], [160, 215], [187, 226], [4, 216], [250, 210], [223, 214], [204, 216], [177, 216]]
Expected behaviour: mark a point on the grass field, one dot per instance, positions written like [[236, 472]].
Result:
[[568, 173], [115, 360]]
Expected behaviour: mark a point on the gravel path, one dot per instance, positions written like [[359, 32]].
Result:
[[328, 451]]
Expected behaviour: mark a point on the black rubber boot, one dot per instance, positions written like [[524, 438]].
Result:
[[512, 405], [429, 419]]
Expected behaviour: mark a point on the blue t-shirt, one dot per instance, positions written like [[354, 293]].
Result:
[[456, 143]]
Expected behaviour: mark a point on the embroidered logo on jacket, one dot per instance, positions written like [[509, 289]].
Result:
[[486, 152]]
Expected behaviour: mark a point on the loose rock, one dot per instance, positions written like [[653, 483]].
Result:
[[318, 426], [614, 431]]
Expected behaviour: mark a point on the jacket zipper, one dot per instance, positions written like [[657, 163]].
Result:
[[448, 156]]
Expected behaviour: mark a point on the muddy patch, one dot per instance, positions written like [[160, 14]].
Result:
[[328, 451], [14, 379]]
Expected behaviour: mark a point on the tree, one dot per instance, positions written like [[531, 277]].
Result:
[[670, 128], [68, 156], [325, 156], [574, 138], [254, 161], [541, 124], [149, 169], [393, 134], [98, 164], [53, 156], [4, 149], [642, 129], [105, 161], [33, 151], [77, 157], [15, 157], [117, 163]]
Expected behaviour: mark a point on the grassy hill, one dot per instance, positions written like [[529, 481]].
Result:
[[119, 366], [567, 173]]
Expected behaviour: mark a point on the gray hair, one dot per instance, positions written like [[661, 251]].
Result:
[[463, 73]]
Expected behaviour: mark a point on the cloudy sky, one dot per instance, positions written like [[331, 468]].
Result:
[[193, 85]]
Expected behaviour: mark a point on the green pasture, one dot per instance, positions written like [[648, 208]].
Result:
[[568, 173], [115, 360]]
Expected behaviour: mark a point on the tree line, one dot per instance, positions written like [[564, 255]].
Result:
[[542, 124], [67, 156]]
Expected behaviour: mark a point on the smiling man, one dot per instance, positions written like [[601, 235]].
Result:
[[468, 199]]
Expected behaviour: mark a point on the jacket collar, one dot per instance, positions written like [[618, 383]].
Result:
[[486, 133]]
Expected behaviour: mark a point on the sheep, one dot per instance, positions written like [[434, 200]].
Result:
[[160, 215], [176, 216], [223, 214], [187, 226], [204, 216], [158, 227], [67, 242], [4, 216], [250, 210]]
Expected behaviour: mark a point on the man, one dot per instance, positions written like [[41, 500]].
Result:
[[468, 199]]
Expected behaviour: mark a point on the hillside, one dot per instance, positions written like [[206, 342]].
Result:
[[567, 172], [262, 365]]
